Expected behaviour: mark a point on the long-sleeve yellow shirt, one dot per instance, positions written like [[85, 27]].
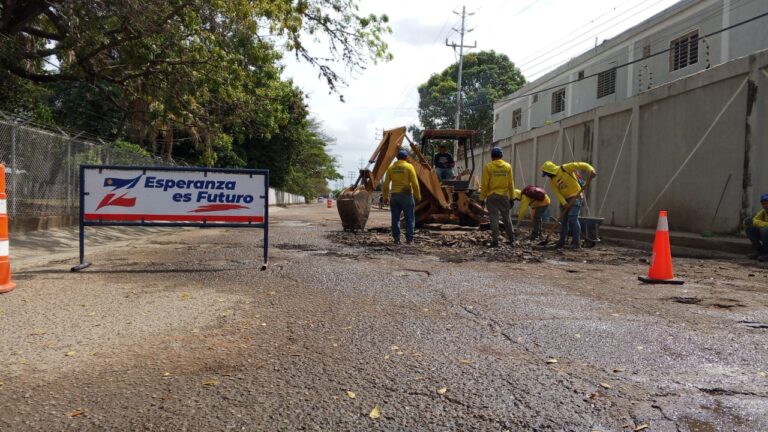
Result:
[[526, 201], [564, 183], [403, 178], [497, 179], [761, 219]]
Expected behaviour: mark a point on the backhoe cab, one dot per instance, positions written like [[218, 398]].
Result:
[[448, 202]]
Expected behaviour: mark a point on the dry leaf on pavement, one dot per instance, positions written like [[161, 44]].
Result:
[[210, 382], [351, 394], [71, 353], [375, 412], [605, 385], [442, 390], [642, 427], [76, 413], [551, 361]]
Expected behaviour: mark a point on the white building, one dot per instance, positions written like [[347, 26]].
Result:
[[686, 38]]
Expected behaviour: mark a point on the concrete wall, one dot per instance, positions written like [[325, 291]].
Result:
[[677, 147], [279, 197], [705, 16]]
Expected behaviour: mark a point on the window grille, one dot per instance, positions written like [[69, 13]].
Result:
[[684, 51], [606, 83], [517, 117], [558, 101]]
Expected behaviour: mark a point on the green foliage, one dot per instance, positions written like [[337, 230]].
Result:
[[199, 79], [487, 76], [128, 147]]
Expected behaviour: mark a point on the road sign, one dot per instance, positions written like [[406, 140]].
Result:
[[172, 197]]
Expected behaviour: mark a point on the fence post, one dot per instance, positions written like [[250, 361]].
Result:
[[14, 172]]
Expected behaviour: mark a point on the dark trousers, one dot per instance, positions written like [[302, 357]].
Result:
[[540, 216], [571, 223], [759, 238], [500, 208], [402, 203]]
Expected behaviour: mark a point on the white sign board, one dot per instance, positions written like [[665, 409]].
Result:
[[174, 195]]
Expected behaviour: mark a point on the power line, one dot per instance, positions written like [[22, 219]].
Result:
[[617, 67]]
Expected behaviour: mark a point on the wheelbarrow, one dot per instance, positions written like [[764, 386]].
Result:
[[590, 230]]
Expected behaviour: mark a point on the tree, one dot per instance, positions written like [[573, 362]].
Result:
[[487, 76], [182, 66]]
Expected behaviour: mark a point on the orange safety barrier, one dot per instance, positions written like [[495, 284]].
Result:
[[5, 262], [660, 271], [329, 202]]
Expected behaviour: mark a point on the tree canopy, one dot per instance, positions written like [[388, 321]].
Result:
[[198, 79], [486, 77]]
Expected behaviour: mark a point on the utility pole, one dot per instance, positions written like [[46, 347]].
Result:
[[461, 47]]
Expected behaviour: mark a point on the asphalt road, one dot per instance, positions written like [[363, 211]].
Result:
[[179, 330]]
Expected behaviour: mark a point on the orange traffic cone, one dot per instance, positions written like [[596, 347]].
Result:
[[5, 262], [329, 203], [660, 271]]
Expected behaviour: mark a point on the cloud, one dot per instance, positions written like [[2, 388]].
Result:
[[414, 31]]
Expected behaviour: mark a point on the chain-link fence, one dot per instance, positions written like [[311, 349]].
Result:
[[42, 167]]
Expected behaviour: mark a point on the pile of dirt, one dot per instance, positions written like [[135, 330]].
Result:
[[452, 245], [461, 244]]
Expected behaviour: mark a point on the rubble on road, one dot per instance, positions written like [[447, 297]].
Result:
[[451, 243]]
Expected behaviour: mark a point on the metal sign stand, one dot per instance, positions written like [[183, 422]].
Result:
[[102, 222]]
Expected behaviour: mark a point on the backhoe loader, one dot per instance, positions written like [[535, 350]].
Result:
[[450, 201]]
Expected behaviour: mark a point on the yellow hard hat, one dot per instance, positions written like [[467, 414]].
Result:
[[549, 167], [517, 194]]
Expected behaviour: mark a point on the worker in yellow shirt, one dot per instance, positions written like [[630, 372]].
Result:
[[497, 191], [405, 195], [564, 181], [538, 200], [757, 231]]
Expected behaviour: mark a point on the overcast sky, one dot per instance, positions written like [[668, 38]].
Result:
[[537, 35]]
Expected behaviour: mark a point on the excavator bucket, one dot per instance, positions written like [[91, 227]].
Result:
[[354, 205]]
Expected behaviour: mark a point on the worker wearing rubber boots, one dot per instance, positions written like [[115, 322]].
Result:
[[405, 195], [757, 231], [538, 201], [497, 192], [564, 181]]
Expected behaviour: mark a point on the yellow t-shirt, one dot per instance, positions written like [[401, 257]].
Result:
[[403, 178], [761, 219], [526, 201], [564, 183], [497, 179]]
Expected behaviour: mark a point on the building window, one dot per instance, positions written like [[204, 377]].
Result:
[[558, 101], [606, 83], [496, 118], [684, 51], [581, 75], [646, 51], [517, 118], [535, 98]]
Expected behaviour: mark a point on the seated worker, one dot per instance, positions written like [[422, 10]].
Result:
[[443, 163], [757, 231], [565, 184], [538, 200]]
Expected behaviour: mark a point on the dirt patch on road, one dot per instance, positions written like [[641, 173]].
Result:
[[466, 244]]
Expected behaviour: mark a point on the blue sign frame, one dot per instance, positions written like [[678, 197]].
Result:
[[83, 223]]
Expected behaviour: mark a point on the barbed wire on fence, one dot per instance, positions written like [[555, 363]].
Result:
[[42, 165]]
